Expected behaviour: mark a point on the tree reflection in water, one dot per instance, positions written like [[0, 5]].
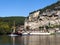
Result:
[[30, 40]]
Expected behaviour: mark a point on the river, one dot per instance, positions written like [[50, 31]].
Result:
[[30, 40]]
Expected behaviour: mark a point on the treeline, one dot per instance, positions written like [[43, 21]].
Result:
[[6, 23], [51, 7]]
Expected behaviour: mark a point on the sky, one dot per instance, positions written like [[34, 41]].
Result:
[[22, 7]]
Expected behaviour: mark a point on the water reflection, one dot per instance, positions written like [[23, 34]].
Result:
[[36, 40], [13, 40], [30, 40]]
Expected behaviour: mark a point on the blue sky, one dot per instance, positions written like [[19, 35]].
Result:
[[22, 7]]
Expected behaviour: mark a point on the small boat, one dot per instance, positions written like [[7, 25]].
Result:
[[13, 35]]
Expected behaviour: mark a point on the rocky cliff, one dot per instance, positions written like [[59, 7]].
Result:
[[49, 15]]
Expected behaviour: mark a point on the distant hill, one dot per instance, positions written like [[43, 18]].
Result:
[[18, 20]]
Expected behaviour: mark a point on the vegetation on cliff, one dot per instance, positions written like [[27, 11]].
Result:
[[51, 7]]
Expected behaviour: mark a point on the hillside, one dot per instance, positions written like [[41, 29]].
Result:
[[48, 16], [6, 23], [18, 20]]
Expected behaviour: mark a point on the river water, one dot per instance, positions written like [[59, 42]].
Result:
[[30, 40]]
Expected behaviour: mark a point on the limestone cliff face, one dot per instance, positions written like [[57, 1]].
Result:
[[39, 18]]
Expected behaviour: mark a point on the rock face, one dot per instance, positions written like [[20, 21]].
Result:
[[43, 17]]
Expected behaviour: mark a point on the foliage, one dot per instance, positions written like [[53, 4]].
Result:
[[6, 23], [41, 27], [50, 7], [4, 28]]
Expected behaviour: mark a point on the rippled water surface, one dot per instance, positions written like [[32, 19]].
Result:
[[30, 40]]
